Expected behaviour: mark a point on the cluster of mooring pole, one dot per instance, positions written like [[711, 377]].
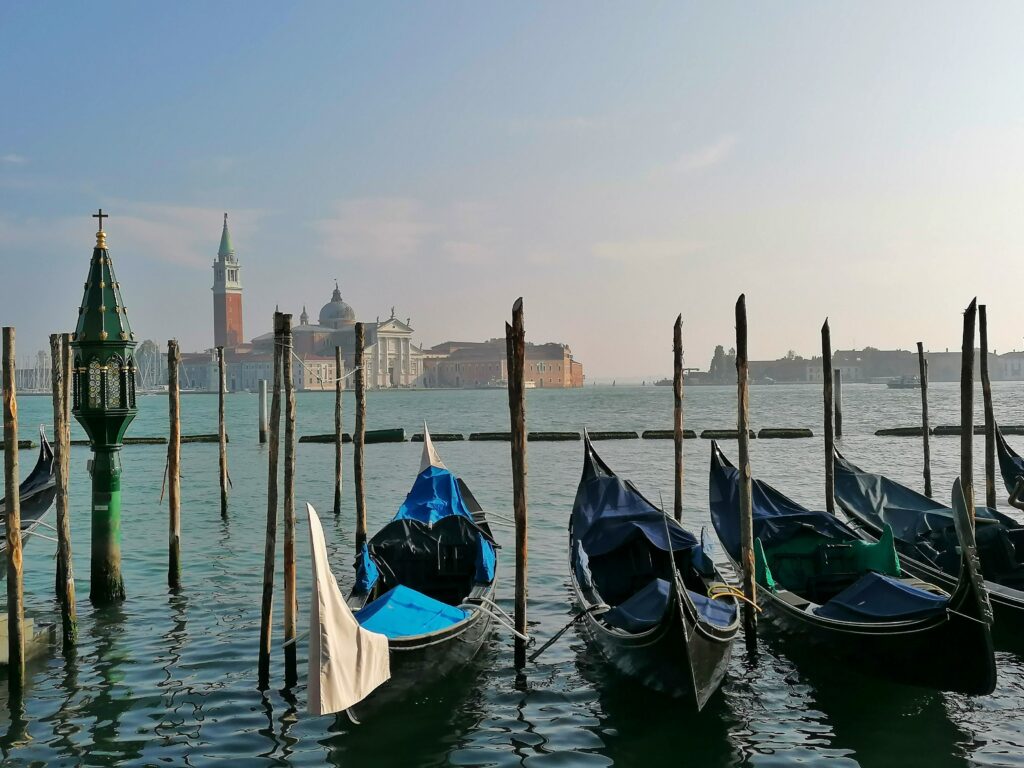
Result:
[[746, 490], [677, 413], [990, 419], [61, 372], [270, 545], [222, 434], [826, 372], [922, 362], [359, 441], [967, 408], [15, 588], [515, 348], [337, 431], [174, 468], [104, 404]]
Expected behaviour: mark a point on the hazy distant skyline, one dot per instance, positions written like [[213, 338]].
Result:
[[614, 164]]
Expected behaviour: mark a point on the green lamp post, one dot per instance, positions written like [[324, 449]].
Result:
[[104, 403]]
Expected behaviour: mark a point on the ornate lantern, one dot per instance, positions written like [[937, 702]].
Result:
[[103, 401]]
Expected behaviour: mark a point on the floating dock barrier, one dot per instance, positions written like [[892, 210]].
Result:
[[979, 429], [784, 434], [613, 435], [667, 434], [723, 434], [22, 445], [201, 439], [372, 436], [136, 441], [439, 437], [552, 436], [903, 432], [490, 436]]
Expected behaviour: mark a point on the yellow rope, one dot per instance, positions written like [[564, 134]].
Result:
[[716, 591]]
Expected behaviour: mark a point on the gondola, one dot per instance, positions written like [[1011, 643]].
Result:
[[821, 582], [1011, 465], [925, 537], [36, 493], [666, 620], [426, 582]]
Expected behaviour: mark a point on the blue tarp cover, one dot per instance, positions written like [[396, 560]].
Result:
[[777, 518], [643, 610], [435, 494], [608, 512], [720, 612], [877, 598], [402, 612], [366, 570]]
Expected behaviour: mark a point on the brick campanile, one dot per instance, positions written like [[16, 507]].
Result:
[[227, 294]]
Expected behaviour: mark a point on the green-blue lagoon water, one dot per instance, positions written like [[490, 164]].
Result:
[[170, 679]]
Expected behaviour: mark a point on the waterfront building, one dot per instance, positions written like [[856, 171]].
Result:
[[470, 364]]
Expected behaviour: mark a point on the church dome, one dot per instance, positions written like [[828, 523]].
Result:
[[337, 313]]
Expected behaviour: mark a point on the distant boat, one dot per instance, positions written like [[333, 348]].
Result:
[[904, 382], [530, 384]]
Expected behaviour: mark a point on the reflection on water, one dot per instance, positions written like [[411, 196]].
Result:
[[171, 678]]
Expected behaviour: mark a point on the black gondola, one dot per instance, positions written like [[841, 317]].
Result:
[[925, 536], [426, 580], [36, 493], [819, 580], [1011, 465], [666, 620]]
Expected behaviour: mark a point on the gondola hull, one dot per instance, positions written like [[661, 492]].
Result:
[[931, 654], [679, 657], [418, 662], [36, 495]]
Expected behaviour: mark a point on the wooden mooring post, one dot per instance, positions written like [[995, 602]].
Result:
[[15, 587], [174, 468], [677, 413], [290, 599], [922, 363], [222, 433], [826, 371], [60, 378], [746, 489], [270, 545], [967, 407], [837, 391], [990, 418], [263, 411], [359, 441], [337, 431], [515, 347]]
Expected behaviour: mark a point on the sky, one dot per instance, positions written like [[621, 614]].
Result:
[[614, 164]]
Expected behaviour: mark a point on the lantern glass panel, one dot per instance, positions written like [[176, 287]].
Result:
[[95, 387]]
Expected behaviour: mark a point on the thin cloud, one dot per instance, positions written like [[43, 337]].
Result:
[[13, 159], [707, 156], [634, 251]]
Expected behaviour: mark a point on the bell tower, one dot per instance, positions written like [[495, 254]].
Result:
[[227, 294]]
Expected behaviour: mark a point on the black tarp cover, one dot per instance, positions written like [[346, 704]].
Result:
[[1011, 466], [880, 500], [609, 511], [777, 518]]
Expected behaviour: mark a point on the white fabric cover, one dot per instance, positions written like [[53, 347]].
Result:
[[346, 662], [430, 457]]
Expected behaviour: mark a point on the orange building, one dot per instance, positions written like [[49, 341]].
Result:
[[227, 294], [472, 364]]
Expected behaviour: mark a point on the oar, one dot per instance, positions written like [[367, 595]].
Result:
[[597, 606]]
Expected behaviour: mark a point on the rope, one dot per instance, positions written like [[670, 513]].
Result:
[[718, 591], [599, 607], [500, 616]]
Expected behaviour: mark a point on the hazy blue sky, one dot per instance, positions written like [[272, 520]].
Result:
[[615, 164]]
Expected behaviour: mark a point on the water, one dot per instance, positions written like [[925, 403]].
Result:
[[171, 679]]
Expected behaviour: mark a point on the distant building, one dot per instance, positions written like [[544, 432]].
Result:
[[472, 364]]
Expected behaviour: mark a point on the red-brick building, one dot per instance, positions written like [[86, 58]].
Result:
[[471, 364], [227, 294]]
